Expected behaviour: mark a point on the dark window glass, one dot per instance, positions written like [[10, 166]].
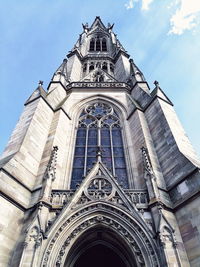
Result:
[[92, 45], [108, 162], [117, 139], [104, 46], [93, 133], [92, 151], [99, 126], [80, 141], [80, 151], [98, 45], [77, 174], [75, 183], [90, 162], [85, 67], [92, 141], [122, 177], [81, 133], [106, 152], [78, 162], [118, 151], [105, 142], [109, 120], [105, 133], [120, 163], [91, 67]]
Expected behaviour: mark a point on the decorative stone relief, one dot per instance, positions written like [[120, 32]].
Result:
[[112, 224], [49, 175], [104, 220], [33, 237], [99, 188], [96, 85], [137, 197]]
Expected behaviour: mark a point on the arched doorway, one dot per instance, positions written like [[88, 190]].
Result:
[[100, 247], [101, 255]]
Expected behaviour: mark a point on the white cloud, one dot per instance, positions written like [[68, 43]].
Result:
[[130, 4], [146, 4], [186, 17]]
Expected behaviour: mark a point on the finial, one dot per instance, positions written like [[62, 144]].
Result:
[[99, 153], [40, 83], [156, 83], [110, 26], [85, 26]]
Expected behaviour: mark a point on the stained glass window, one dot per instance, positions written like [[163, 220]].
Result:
[[99, 127]]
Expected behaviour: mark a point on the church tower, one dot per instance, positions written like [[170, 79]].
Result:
[[99, 171]]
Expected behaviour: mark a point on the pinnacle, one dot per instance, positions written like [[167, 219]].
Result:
[[40, 83], [156, 84]]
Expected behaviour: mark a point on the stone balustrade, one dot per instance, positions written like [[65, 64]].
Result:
[[137, 197], [98, 85]]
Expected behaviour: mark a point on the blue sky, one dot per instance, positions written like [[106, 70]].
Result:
[[163, 38]]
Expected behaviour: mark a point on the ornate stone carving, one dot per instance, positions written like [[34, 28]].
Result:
[[103, 220], [51, 167], [150, 176], [146, 160], [33, 237], [137, 197], [99, 188], [49, 175], [115, 224], [98, 85]]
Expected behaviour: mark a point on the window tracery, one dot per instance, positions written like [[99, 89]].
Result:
[[98, 44], [99, 126]]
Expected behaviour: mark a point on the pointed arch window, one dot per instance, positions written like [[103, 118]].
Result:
[[98, 45], [104, 45], [92, 45], [99, 128]]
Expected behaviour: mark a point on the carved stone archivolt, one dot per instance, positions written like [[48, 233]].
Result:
[[139, 239]]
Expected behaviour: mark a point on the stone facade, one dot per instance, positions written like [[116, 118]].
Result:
[[45, 221]]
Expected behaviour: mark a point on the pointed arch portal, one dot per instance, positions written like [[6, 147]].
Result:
[[96, 228], [100, 247]]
